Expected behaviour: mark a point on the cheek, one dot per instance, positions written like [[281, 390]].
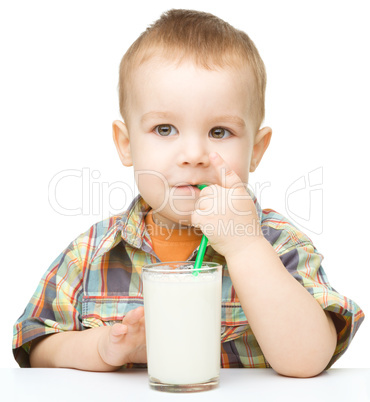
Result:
[[147, 153], [242, 170], [152, 185], [240, 163], [237, 154]]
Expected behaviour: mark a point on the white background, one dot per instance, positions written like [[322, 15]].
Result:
[[58, 80]]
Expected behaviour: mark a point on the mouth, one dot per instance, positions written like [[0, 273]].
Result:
[[190, 184], [187, 187]]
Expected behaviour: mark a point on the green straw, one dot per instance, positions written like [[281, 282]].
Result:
[[202, 246]]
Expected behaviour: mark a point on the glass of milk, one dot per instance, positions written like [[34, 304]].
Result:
[[183, 325]]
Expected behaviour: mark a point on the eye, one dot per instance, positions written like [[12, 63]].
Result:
[[165, 130], [219, 132]]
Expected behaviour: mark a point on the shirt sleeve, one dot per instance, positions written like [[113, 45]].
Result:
[[303, 261], [54, 307]]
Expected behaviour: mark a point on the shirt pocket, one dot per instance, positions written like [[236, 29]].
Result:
[[107, 310]]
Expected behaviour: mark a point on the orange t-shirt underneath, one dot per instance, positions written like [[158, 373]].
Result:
[[172, 244]]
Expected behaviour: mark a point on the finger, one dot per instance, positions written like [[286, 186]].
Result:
[[195, 219], [227, 177], [207, 192], [117, 332], [133, 316]]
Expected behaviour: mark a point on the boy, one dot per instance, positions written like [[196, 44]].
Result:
[[192, 99]]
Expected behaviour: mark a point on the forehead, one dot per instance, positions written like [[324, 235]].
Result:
[[168, 82]]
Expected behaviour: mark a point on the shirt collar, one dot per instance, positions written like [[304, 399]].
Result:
[[130, 227]]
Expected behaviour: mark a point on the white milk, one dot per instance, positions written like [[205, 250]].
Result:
[[183, 326]]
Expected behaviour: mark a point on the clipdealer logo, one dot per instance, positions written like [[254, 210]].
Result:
[[74, 192]]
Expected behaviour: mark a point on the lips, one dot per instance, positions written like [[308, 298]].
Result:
[[188, 188], [190, 184], [186, 185]]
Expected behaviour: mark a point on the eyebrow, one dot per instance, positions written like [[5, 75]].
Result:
[[238, 121], [155, 115], [227, 118]]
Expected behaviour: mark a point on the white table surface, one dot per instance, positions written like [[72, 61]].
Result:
[[350, 385]]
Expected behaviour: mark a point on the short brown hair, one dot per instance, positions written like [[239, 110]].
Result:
[[202, 37]]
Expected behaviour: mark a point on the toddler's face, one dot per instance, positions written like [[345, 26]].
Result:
[[177, 115]]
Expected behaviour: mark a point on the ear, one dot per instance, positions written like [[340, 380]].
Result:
[[122, 142], [261, 143]]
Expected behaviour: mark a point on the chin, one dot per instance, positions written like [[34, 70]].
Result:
[[183, 220]]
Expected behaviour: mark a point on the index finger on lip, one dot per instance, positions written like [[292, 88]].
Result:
[[227, 177]]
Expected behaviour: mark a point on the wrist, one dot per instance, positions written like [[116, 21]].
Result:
[[242, 246], [242, 251]]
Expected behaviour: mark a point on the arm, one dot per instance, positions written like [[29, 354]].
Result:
[[296, 336], [97, 349]]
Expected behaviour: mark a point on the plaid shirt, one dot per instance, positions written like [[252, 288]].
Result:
[[96, 280]]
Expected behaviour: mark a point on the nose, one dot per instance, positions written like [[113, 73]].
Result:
[[193, 151]]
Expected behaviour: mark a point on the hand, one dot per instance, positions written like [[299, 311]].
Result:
[[124, 342], [226, 213]]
